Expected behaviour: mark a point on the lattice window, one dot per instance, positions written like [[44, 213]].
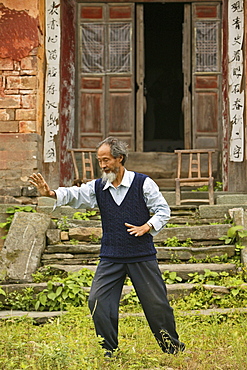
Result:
[[119, 47], [207, 52], [92, 36]]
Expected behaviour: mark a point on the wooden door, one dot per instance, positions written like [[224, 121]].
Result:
[[106, 73], [206, 75]]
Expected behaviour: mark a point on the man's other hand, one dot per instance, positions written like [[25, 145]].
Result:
[[137, 230]]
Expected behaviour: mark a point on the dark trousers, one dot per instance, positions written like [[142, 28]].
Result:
[[151, 290]]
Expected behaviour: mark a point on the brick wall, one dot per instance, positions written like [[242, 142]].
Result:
[[21, 97], [20, 145]]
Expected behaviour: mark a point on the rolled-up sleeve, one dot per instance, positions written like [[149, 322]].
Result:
[[157, 205], [76, 197]]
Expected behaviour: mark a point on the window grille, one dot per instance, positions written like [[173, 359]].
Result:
[[207, 53], [92, 36], [118, 48]]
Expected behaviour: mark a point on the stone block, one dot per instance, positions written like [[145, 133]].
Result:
[[29, 63], [58, 212], [216, 211], [86, 234], [24, 245], [237, 215], [244, 256], [6, 64], [64, 236], [196, 233], [22, 82], [9, 126], [9, 114], [29, 191], [7, 199], [10, 101], [26, 127], [53, 236], [4, 116], [14, 191], [25, 114], [234, 199]]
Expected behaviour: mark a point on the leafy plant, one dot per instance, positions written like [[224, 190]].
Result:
[[74, 241], [130, 299], [216, 259], [11, 211], [84, 215], [209, 277], [69, 291], [234, 235], [63, 223], [218, 187], [174, 242], [23, 300], [46, 273], [171, 277]]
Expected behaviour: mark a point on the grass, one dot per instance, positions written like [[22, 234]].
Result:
[[218, 342]]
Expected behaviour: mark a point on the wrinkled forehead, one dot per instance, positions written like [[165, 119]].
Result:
[[104, 151]]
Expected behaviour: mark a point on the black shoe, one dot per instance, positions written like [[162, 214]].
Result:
[[108, 354]]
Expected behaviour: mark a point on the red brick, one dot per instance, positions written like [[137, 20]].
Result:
[[25, 114], [6, 64], [21, 82], [28, 101], [10, 101], [11, 92], [9, 126], [27, 127], [11, 73]]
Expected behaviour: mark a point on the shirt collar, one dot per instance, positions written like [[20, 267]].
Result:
[[126, 180]]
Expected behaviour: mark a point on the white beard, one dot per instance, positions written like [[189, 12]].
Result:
[[111, 176]]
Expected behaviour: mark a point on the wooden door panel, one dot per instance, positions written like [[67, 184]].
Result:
[[106, 65], [206, 75]]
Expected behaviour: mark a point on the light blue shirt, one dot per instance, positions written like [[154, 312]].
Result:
[[84, 196]]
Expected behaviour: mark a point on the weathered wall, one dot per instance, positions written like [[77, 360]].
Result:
[[21, 92], [61, 172]]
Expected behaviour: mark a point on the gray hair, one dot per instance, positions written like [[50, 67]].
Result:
[[118, 148]]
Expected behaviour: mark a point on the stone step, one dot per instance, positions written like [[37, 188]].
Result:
[[77, 254], [182, 269], [44, 316], [197, 233], [174, 291]]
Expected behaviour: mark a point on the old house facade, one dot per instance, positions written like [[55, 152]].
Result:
[[159, 75]]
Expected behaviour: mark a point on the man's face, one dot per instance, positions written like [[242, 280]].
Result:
[[108, 164]]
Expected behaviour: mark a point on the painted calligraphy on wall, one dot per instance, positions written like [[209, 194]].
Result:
[[52, 82], [236, 93]]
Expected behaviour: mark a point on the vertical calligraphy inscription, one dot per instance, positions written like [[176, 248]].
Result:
[[236, 96], [52, 82]]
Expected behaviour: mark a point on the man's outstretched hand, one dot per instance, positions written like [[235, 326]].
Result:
[[37, 180]]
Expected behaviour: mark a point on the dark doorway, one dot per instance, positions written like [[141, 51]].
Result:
[[163, 120]]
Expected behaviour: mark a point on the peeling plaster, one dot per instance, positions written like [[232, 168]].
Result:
[[30, 6], [19, 33]]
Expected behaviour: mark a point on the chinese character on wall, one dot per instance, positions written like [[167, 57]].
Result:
[[52, 82], [236, 95]]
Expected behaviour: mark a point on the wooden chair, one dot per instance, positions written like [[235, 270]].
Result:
[[84, 165], [194, 176]]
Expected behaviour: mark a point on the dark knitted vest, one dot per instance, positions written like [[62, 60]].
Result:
[[117, 244]]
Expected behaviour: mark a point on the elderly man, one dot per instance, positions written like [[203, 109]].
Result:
[[125, 200]]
